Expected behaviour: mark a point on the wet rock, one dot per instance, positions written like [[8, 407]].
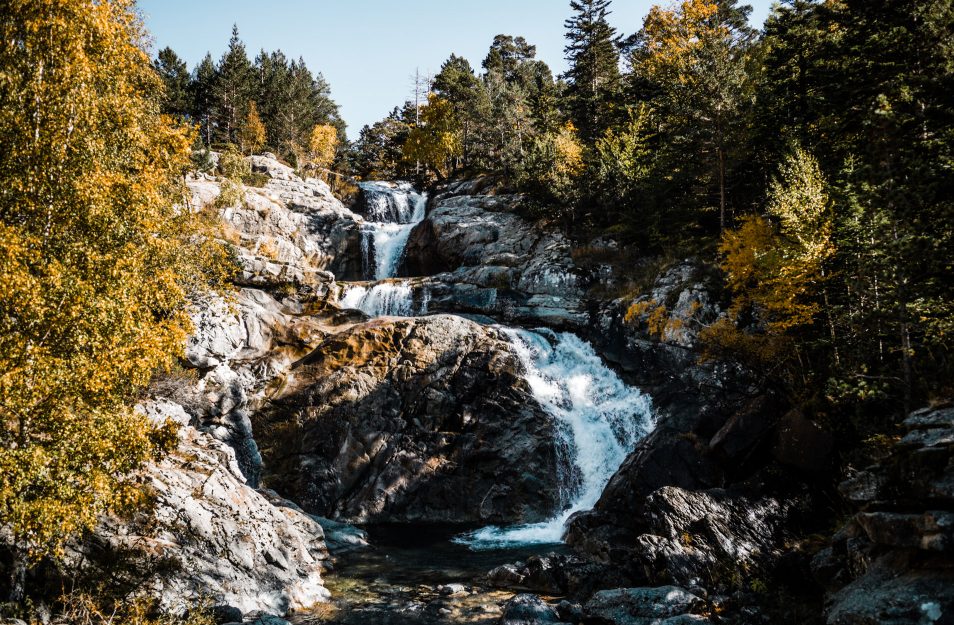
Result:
[[482, 258], [268, 619], [226, 614], [642, 606], [340, 538], [412, 420], [570, 612], [555, 575], [528, 610]]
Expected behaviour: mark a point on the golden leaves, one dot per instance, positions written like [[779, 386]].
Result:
[[95, 259], [322, 145]]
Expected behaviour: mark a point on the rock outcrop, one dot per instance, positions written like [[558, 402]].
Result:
[[290, 231], [239, 346], [480, 257], [207, 535], [893, 562], [407, 420], [716, 491]]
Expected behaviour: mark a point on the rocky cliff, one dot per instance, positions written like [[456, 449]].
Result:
[[412, 420]]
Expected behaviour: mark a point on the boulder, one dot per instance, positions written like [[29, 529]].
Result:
[[483, 258], [207, 535], [556, 575], [412, 420], [643, 606], [528, 610]]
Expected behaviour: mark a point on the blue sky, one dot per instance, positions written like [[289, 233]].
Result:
[[368, 49]]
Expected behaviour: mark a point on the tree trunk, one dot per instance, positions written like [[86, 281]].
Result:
[[721, 189], [18, 571]]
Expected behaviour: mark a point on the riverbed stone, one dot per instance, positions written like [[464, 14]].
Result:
[[526, 609], [642, 606]]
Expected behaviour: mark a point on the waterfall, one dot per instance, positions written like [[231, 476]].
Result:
[[599, 420], [387, 202], [394, 211], [384, 299]]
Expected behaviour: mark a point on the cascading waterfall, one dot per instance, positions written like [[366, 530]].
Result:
[[599, 420], [392, 299], [395, 210]]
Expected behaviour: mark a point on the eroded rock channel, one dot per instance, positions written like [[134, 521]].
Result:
[[425, 409]]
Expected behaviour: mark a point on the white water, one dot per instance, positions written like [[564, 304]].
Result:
[[391, 299], [396, 211], [599, 421]]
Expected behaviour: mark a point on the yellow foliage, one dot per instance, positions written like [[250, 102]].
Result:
[[675, 35], [97, 255], [655, 315], [569, 151], [436, 141], [322, 145], [778, 274], [251, 133]]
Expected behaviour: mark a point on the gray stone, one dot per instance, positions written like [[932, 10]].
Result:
[[528, 610], [412, 420], [641, 606], [222, 539]]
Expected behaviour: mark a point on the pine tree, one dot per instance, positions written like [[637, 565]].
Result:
[[593, 76], [233, 88], [175, 77], [457, 84], [696, 56], [202, 96]]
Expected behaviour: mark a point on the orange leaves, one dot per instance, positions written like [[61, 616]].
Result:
[[436, 140], [776, 275]]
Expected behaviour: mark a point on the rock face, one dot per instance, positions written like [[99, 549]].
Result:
[[717, 487], [482, 258], [239, 346], [412, 420], [892, 562], [209, 535], [291, 231]]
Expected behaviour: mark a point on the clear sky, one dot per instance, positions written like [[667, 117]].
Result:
[[368, 49]]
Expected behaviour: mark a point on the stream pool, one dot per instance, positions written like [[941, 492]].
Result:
[[399, 580]]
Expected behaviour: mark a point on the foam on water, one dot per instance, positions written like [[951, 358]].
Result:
[[599, 420], [396, 211], [393, 299]]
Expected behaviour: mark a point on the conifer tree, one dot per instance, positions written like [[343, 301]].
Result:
[[175, 78], [233, 88], [202, 96], [593, 76]]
